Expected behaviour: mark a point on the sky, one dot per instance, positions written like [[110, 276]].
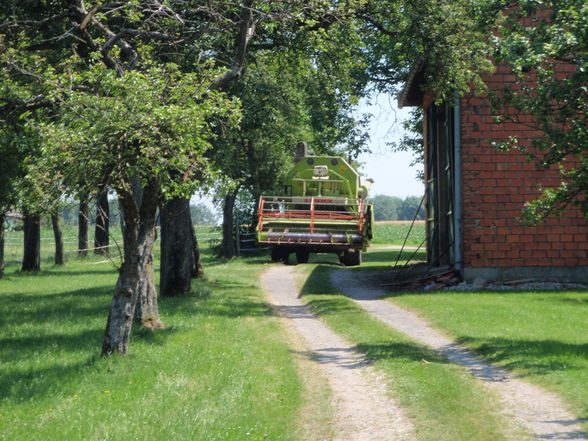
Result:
[[390, 171]]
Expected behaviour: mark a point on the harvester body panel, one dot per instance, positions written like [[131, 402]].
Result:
[[323, 209]]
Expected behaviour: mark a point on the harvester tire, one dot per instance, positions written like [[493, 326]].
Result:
[[280, 255], [352, 258], [302, 256]]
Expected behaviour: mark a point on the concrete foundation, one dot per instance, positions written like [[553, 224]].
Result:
[[562, 274]]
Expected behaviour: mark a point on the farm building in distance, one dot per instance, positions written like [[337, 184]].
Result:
[[475, 195]]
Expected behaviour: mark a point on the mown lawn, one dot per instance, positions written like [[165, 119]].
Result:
[[220, 371], [542, 336]]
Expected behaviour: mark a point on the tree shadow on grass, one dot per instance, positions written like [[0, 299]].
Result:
[[43, 337], [332, 306], [317, 282], [576, 300], [532, 357], [20, 385], [221, 299], [59, 271], [35, 344], [60, 308], [401, 351]]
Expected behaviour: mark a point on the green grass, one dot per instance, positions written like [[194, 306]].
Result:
[[220, 371], [396, 232], [444, 402], [542, 336]]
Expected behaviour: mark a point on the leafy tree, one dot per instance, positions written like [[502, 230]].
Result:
[[11, 169], [443, 36], [411, 208], [101, 231], [135, 133], [202, 215], [545, 43], [395, 208], [385, 207]]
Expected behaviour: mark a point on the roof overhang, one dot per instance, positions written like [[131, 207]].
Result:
[[411, 94]]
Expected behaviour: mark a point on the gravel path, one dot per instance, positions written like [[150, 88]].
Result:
[[363, 409], [541, 413]]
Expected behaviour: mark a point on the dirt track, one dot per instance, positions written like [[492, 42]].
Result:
[[362, 410], [539, 412]]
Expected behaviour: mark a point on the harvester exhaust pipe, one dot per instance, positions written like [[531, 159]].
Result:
[[301, 151]]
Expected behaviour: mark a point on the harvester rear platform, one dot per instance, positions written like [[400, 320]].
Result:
[[323, 210]]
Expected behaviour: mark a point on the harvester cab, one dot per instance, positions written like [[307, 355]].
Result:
[[322, 210]]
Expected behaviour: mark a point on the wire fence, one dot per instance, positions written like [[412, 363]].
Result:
[[14, 240]]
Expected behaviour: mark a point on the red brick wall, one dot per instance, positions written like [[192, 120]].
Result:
[[495, 186]]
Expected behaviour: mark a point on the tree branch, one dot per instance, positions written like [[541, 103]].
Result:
[[246, 31], [379, 26]]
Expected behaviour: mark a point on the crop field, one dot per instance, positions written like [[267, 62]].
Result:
[[395, 232]]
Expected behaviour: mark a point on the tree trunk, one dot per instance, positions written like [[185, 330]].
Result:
[[147, 309], [197, 270], [228, 224], [102, 222], [135, 295], [177, 247], [58, 235], [254, 215], [31, 260], [83, 227], [121, 216], [2, 219]]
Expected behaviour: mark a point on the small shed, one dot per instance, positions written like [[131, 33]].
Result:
[[474, 195]]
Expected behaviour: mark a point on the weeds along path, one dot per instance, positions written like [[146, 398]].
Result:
[[541, 413], [363, 409]]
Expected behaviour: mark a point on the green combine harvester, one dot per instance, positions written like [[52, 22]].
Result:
[[323, 210]]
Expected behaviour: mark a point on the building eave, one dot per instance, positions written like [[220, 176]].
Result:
[[411, 94]]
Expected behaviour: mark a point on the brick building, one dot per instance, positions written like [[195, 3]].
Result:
[[475, 195]]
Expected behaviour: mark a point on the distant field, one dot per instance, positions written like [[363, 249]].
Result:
[[400, 222], [395, 232]]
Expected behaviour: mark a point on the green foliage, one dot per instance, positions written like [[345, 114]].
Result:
[[442, 35], [394, 208], [545, 44], [153, 124]]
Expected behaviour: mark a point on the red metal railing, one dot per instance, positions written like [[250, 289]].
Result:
[[274, 208]]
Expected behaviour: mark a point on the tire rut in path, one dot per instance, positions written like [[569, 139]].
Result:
[[363, 409], [540, 412]]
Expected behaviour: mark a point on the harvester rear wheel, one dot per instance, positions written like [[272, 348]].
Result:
[[352, 258], [302, 256], [280, 255]]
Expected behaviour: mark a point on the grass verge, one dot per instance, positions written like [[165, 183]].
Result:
[[541, 336], [444, 402], [220, 371]]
